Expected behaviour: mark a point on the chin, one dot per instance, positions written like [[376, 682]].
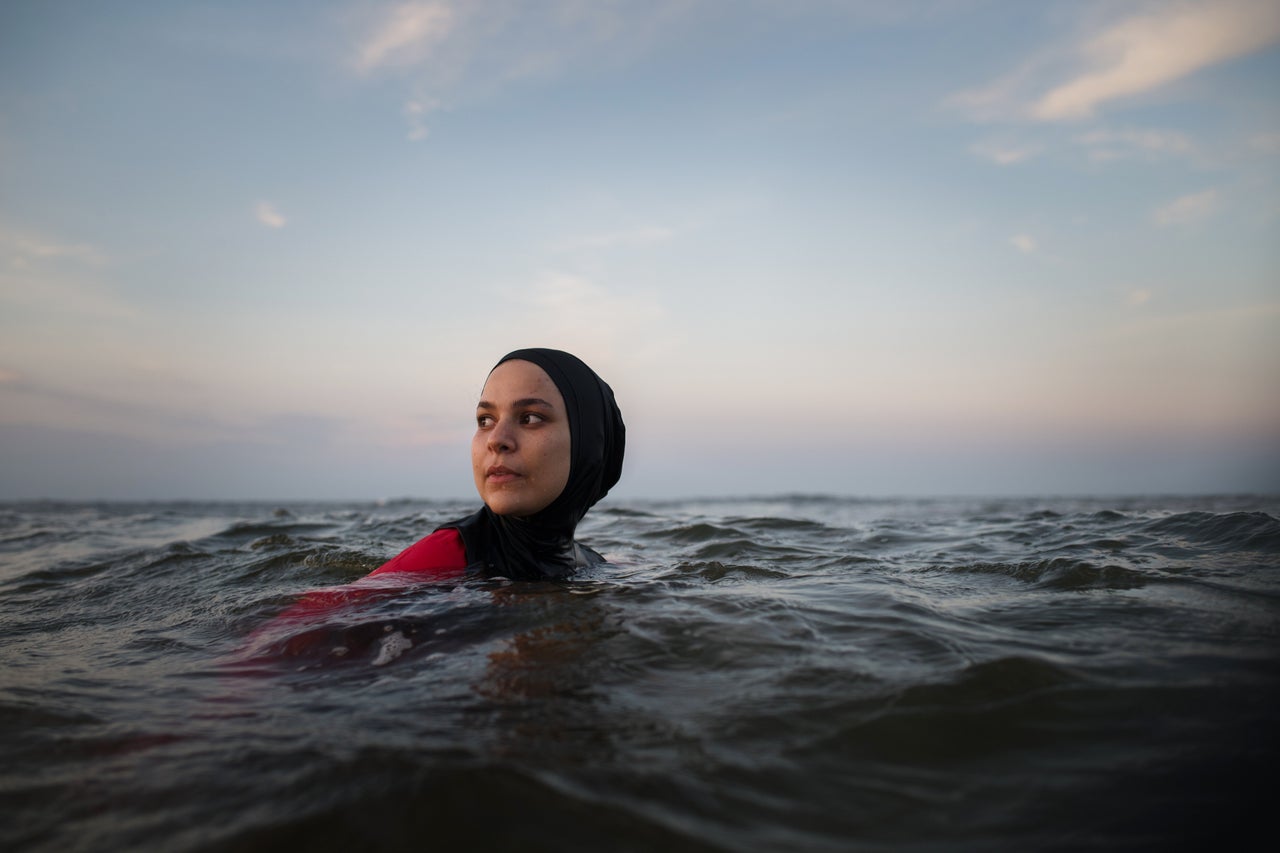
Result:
[[505, 505]]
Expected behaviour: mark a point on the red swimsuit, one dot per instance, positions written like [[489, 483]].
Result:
[[440, 556]]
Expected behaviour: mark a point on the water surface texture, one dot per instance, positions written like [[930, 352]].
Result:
[[797, 673]]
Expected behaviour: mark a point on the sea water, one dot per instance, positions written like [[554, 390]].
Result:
[[790, 673]]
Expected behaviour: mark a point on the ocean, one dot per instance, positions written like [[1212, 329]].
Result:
[[750, 674]]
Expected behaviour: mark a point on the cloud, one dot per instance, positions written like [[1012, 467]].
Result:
[[1139, 297], [586, 318], [1103, 144], [404, 35], [269, 216], [1003, 154], [54, 277], [456, 52], [1024, 243], [415, 112], [1149, 51], [1187, 209], [64, 297], [20, 249], [1127, 58], [1003, 98], [50, 404]]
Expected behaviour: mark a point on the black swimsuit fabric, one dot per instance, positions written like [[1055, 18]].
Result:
[[541, 546]]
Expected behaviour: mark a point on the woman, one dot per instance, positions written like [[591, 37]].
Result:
[[549, 442], [548, 445]]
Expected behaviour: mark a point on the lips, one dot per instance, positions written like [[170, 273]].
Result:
[[500, 474]]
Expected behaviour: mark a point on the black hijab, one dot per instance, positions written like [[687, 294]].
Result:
[[541, 545]]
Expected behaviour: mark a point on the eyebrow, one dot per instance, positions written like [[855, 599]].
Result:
[[518, 404]]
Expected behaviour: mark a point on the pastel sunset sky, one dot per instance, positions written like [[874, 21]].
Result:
[[270, 250]]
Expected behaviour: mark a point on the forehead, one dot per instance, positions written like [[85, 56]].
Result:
[[517, 379]]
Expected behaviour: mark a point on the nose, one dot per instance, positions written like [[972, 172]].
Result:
[[502, 438]]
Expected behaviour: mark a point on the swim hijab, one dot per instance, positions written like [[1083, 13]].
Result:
[[541, 545]]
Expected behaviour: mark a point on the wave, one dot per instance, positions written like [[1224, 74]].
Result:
[[770, 673], [1061, 573], [1252, 531]]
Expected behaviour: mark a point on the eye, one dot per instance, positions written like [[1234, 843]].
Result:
[[532, 418], [484, 421]]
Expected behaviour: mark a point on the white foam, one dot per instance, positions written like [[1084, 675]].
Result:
[[391, 647]]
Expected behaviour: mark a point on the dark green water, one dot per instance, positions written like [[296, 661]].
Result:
[[797, 673]]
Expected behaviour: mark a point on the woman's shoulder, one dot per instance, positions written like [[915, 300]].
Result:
[[440, 553]]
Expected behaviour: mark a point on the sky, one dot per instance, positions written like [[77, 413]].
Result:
[[925, 247]]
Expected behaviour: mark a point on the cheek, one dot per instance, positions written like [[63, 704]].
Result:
[[558, 461]]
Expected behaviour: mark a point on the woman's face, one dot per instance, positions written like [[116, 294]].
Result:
[[521, 450]]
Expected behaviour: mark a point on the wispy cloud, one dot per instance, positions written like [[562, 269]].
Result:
[[1146, 52], [1141, 296], [587, 318], [1127, 58], [1024, 243], [1004, 154], [1004, 98], [55, 277], [404, 35], [454, 51], [1104, 144], [415, 112], [20, 249], [1188, 208], [269, 216], [135, 405], [61, 296]]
